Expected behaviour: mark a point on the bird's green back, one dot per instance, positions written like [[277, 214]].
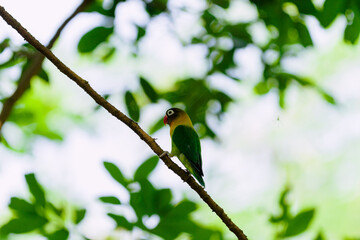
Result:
[[187, 141]]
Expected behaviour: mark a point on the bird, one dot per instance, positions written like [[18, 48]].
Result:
[[185, 142]]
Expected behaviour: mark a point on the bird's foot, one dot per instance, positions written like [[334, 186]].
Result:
[[166, 153]]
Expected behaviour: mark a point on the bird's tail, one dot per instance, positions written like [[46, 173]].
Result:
[[199, 178]]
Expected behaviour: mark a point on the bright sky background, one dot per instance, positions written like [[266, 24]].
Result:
[[312, 145]]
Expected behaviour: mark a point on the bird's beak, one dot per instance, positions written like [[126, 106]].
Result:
[[165, 120]]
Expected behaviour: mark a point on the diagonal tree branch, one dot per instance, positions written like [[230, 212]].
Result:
[[126, 120], [34, 67]]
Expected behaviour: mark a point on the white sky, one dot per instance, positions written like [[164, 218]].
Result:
[[311, 145]]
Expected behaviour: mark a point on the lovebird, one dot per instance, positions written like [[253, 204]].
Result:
[[185, 143]]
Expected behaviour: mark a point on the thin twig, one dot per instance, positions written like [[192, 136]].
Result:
[[34, 67], [122, 117]]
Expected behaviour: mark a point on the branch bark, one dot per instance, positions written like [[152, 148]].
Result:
[[34, 67], [126, 120]]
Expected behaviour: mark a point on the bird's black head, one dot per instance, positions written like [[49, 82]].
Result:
[[171, 114]]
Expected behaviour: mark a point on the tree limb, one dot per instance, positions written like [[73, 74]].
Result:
[[126, 120], [34, 67]]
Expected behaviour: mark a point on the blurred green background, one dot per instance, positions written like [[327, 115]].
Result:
[[272, 87]]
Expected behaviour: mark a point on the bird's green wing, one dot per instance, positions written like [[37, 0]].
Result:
[[187, 141]]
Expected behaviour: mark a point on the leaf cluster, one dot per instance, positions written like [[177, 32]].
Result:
[[147, 201], [38, 215]]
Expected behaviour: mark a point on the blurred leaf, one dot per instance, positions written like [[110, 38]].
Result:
[[284, 206], [132, 106], [57, 210], [330, 99], [90, 40], [143, 201], [110, 199], [176, 221], [261, 88], [140, 33], [205, 234], [149, 90], [222, 3], [185, 207], [4, 44], [156, 126], [240, 32], [299, 223], [96, 6], [109, 53], [21, 205], [7, 145], [146, 168], [304, 35], [330, 10], [15, 59], [61, 234], [352, 30], [79, 215], [121, 221], [197, 96], [116, 173], [44, 75], [35, 189], [163, 199], [319, 237], [305, 7], [155, 7], [23, 224]]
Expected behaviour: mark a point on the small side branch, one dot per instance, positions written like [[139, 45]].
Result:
[[122, 117], [34, 67]]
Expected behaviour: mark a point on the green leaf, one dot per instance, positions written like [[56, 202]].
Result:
[[96, 6], [352, 30], [156, 7], [44, 75], [320, 236], [132, 106], [35, 189], [331, 9], [23, 224], [156, 126], [304, 35], [163, 199], [61, 234], [185, 207], [121, 221], [143, 201], [177, 221], [330, 99], [140, 33], [116, 173], [261, 88], [79, 215], [21, 205], [92, 39], [4, 44], [222, 3], [305, 7], [284, 216], [109, 52], [57, 210], [299, 223], [146, 168], [110, 199], [7, 145], [149, 90]]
